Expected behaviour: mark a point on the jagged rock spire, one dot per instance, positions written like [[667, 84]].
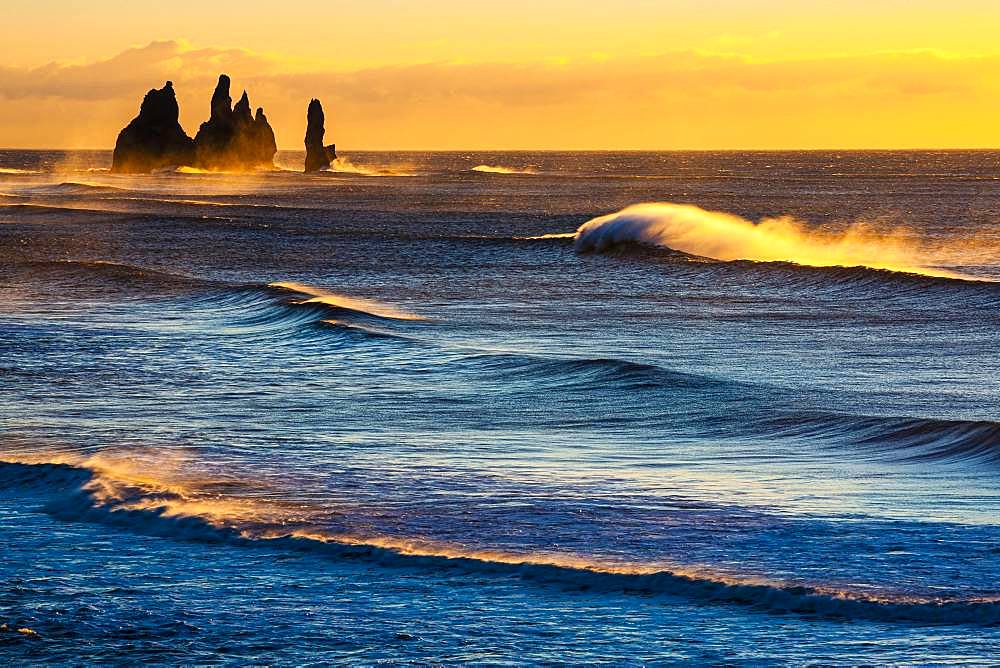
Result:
[[232, 139], [241, 112], [317, 156], [221, 102]]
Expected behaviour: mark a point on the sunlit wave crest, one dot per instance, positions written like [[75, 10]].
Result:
[[554, 235], [723, 236], [497, 169], [187, 169], [315, 295], [14, 170], [345, 166], [157, 493]]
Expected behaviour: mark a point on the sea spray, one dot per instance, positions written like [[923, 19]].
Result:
[[496, 169], [723, 236], [344, 165]]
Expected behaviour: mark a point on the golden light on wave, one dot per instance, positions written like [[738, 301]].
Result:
[[722, 236], [497, 169], [319, 296], [169, 485], [344, 165]]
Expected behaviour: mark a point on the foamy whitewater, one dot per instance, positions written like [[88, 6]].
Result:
[[508, 408]]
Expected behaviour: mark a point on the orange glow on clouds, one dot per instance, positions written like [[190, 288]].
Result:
[[710, 74]]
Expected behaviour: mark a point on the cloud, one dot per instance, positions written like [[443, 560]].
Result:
[[137, 67], [680, 99]]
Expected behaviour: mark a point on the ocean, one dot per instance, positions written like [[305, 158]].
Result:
[[502, 408]]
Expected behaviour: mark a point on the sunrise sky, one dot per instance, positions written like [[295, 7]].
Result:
[[449, 74]]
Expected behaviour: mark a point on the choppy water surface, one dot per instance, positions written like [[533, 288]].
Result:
[[480, 408]]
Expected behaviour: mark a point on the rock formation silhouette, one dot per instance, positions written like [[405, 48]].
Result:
[[154, 139], [317, 156], [232, 139]]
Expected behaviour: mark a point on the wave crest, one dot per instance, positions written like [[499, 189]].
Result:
[[15, 170], [357, 304], [345, 166], [722, 236], [497, 169], [156, 496]]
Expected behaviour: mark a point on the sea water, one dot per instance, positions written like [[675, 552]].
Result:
[[507, 408]]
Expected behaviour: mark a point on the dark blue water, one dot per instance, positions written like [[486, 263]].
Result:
[[405, 412]]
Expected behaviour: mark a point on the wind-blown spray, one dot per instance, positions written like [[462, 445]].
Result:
[[722, 236]]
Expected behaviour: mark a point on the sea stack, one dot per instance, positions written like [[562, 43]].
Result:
[[232, 139], [317, 156], [154, 139]]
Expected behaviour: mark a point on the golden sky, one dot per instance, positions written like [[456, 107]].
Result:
[[584, 74]]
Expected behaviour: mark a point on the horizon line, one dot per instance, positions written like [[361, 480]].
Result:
[[591, 150]]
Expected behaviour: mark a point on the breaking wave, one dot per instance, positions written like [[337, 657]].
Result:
[[13, 170], [722, 236], [496, 169], [185, 169], [165, 501], [546, 237], [345, 166]]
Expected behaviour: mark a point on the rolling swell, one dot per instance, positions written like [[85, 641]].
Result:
[[709, 401], [853, 284], [88, 490], [71, 188], [229, 308], [105, 215], [706, 402], [898, 439], [104, 270], [594, 373], [296, 314], [264, 310], [307, 318]]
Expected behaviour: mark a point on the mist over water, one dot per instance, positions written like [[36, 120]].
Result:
[[556, 407]]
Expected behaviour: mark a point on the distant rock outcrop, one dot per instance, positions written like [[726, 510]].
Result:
[[317, 156], [232, 139], [154, 139]]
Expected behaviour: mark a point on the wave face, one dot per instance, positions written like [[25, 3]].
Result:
[[723, 236], [288, 419]]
